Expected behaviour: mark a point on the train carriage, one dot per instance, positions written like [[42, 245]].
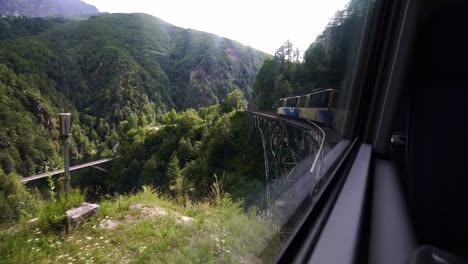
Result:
[[316, 106]]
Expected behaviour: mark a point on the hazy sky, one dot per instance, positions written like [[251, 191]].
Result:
[[261, 24]]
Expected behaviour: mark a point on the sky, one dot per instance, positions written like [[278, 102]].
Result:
[[261, 24]]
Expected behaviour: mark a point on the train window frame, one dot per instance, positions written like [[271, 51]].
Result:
[[301, 101], [291, 102], [282, 102], [311, 100], [307, 100]]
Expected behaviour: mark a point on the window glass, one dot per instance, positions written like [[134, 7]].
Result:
[[319, 100], [328, 63], [312, 100], [291, 102]]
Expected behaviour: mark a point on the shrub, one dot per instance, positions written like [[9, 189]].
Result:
[[13, 197], [53, 215]]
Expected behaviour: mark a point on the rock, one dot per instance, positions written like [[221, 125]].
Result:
[[151, 211], [185, 219], [80, 214], [108, 224]]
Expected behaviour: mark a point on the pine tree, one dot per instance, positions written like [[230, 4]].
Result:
[[178, 183]]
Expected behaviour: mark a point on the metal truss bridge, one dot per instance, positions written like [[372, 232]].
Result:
[[293, 155]]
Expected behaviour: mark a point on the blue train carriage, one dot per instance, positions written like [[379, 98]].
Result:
[[316, 106]]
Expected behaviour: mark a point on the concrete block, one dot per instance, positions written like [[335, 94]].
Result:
[[80, 214]]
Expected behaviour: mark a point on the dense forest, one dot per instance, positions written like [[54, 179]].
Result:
[[112, 72], [186, 153], [327, 63]]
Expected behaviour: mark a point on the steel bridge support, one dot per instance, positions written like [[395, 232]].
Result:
[[286, 144]]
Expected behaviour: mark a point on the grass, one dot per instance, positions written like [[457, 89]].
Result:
[[149, 230]]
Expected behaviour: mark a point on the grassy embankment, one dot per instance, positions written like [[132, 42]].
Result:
[[146, 228]]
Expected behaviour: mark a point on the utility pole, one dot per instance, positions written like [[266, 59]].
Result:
[[65, 133]]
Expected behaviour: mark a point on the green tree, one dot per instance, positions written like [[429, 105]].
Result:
[[173, 167], [264, 83], [185, 151], [170, 117], [188, 120], [178, 183], [234, 101]]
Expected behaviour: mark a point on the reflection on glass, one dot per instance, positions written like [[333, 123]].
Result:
[[317, 92]]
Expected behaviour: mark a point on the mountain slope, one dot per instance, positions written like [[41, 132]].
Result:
[[181, 62], [114, 72], [43, 8]]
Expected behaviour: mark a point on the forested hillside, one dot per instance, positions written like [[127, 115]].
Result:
[[42, 8], [326, 63], [111, 72]]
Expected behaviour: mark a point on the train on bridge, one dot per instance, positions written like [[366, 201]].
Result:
[[318, 106]]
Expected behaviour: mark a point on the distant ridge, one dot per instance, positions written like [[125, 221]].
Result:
[[44, 8]]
